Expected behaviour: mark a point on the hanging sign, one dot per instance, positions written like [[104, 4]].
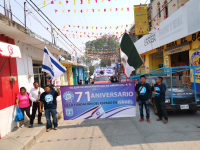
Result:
[[9, 50], [141, 17]]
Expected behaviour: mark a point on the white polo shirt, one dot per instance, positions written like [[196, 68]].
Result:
[[34, 94]]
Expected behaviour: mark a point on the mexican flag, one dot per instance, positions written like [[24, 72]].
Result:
[[129, 55]]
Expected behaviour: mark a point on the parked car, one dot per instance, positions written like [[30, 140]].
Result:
[[124, 79], [183, 98], [102, 80]]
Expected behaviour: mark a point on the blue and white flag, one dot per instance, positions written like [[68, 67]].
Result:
[[51, 65]]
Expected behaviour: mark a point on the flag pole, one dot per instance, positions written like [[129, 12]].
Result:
[[40, 84]]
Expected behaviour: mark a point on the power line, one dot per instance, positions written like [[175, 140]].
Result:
[[48, 20]]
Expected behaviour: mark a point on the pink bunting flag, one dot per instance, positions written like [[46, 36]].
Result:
[[116, 32], [154, 27], [182, 4], [151, 7], [105, 27], [109, 0], [56, 10], [96, 28], [139, 8], [104, 10], [164, 17], [81, 11], [173, 5], [154, 20], [116, 9], [100, 33], [96, 1], [78, 26], [81, 1], [68, 11], [58, 28], [69, 26], [92, 33], [158, 28], [126, 25], [162, 6], [128, 9], [80, 35], [67, 2], [47, 28], [76, 31], [84, 32], [67, 30], [87, 27], [93, 10], [52, 2]]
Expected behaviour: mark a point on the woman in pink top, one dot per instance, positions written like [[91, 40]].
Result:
[[23, 102]]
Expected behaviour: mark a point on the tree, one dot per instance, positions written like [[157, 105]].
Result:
[[104, 48]]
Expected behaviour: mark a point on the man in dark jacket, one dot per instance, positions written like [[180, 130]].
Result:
[[144, 97], [159, 88]]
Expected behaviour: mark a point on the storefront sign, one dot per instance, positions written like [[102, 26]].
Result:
[[9, 50], [98, 101], [141, 19], [195, 61], [177, 49], [183, 22]]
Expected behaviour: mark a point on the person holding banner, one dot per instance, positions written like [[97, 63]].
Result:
[[159, 88], [144, 97], [50, 105]]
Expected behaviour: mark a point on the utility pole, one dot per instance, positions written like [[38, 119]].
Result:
[[5, 7], [25, 14]]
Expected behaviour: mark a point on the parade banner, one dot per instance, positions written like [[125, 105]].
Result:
[[98, 101]]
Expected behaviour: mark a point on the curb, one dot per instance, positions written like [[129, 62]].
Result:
[[34, 139]]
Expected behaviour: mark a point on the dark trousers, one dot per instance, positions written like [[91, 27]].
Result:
[[34, 109], [27, 110], [146, 105], [161, 108]]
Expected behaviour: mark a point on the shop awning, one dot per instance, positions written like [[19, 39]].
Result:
[[9, 50]]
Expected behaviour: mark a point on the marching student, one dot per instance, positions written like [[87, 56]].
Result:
[[159, 88], [34, 98], [50, 104], [144, 97]]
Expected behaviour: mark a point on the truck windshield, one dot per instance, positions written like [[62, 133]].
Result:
[[102, 78], [175, 82]]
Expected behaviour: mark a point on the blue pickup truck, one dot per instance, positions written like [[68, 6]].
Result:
[[183, 98]]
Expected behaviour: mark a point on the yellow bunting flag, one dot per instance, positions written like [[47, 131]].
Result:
[[156, 6], [74, 2], [168, 5], [82, 27], [129, 30], [122, 9], [121, 26], [145, 7], [98, 10], [179, 4], [131, 25], [60, 2], [88, 1], [110, 27], [63, 11], [64, 27], [92, 27], [102, 0], [44, 2], [54, 28], [110, 9], [86, 10], [101, 27], [75, 11], [74, 26]]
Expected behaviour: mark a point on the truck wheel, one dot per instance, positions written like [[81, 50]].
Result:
[[155, 108], [192, 111]]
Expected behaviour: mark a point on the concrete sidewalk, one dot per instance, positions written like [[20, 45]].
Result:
[[24, 138]]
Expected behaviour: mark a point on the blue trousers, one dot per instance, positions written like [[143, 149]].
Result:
[[47, 115], [146, 105]]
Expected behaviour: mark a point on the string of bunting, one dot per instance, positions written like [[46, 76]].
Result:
[[74, 1]]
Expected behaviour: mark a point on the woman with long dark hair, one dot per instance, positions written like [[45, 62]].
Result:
[[22, 102]]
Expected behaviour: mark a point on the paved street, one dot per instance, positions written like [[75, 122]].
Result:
[[181, 133]]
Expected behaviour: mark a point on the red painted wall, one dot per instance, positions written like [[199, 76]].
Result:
[[8, 90]]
